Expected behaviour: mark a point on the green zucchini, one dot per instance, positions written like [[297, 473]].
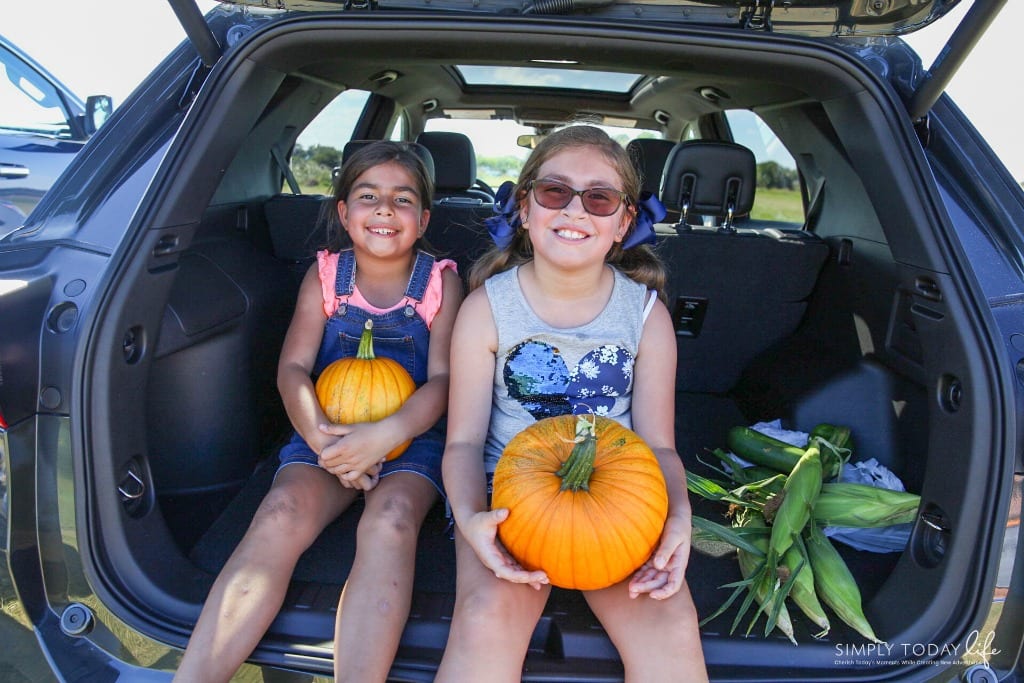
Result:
[[834, 434], [761, 449], [833, 459]]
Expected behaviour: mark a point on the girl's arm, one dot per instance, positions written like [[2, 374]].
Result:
[[298, 355], [474, 346], [653, 411], [366, 444]]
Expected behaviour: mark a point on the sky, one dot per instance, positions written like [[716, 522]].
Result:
[[126, 39]]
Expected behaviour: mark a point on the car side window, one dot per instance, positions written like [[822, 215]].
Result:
[[32, 105], [319, 146], [778, 196]]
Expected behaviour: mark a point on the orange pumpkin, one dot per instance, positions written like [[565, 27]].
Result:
[[586, 497], [364, 388]]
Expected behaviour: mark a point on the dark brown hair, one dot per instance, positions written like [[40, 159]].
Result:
[[365, 158]]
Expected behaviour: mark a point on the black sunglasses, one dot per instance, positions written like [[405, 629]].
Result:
[[597, 201]]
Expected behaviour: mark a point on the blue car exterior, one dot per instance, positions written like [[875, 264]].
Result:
[[43, 125]]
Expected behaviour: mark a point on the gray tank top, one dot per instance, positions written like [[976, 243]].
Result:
[[543, 371]]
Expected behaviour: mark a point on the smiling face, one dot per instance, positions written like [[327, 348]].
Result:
[[383, 213], [571, 235]]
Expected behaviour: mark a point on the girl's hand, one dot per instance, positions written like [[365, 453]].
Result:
[[662, 576], [481, 531], [362, 482], [360, 448]]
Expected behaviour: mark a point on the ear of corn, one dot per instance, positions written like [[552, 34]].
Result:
[[792, 560], [803, 592], [753, 568], [798, 496], [860, 505], [834, 583]]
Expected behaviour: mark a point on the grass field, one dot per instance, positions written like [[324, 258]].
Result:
[[778, 205]]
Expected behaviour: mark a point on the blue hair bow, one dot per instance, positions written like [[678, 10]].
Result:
[[649, 210], [503, 224]]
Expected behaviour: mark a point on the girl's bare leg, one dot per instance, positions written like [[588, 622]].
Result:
[[658, 640], [249, 591], [492, 624], [375, 602]]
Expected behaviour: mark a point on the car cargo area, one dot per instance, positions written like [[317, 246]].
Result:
[[859, 317]]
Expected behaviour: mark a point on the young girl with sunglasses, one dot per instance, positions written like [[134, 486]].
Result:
[[372, 269], [567, 321]]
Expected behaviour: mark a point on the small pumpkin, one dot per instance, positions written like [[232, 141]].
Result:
[[586, 497], [364, 388]]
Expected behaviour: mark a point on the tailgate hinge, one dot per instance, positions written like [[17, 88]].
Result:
[[759, 17]]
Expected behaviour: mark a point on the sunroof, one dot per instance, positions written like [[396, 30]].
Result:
[[548, 77]]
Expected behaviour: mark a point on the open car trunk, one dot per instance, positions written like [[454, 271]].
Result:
[[864, 317]]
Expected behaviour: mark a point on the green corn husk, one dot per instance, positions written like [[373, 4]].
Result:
[[749, 535], [737, 472], [834, 583], [758, 492], [863, 506], [762, 584], [752, 568], [798, 495], [803, 593]]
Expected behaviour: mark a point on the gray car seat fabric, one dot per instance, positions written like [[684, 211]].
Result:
[[733, 293], [707, 181], [456, 229], [455, 166], [649, 156]]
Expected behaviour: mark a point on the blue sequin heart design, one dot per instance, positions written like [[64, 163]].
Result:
[[536, 375]]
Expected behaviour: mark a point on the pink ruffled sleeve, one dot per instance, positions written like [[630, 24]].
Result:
[[431, 303], [327, 266]]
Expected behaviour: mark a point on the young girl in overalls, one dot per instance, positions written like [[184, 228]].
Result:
[[567, 322], [383, 195]]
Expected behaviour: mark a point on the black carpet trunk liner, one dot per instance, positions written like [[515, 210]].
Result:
[[329, 559], [701, 425]]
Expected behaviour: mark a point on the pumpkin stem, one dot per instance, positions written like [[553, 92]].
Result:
[[365, 350], [577, 468]]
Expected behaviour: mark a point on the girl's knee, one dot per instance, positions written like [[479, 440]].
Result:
[[391, 516], [491, 608], [284, 514]]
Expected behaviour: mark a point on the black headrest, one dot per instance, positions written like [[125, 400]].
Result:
[[708, 176], [649, 156], [422, 152], [454, 160]]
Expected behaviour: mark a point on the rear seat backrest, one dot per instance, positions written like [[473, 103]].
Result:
[[649, 156], [455, 166], [456, 227], [733, 294], [295, 225], [708, 182]]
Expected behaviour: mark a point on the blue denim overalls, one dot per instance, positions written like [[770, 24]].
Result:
[[401, 335]]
